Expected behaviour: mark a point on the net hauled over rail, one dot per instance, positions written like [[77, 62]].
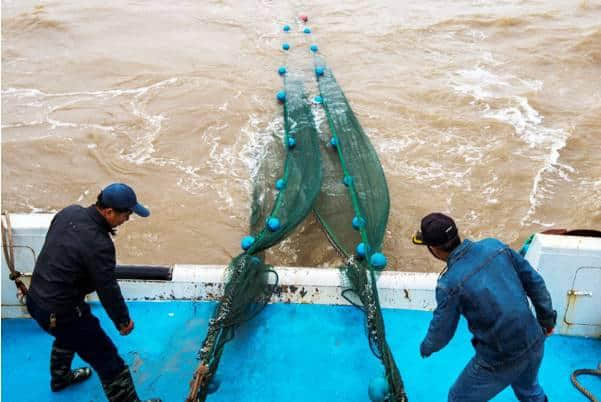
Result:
[[353, 209], [275, 212]]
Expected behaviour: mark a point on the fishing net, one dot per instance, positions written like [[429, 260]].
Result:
[[275, 212], [352, 205], [353, 209]]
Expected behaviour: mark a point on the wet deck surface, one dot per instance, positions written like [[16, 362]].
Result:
[[290, 352]]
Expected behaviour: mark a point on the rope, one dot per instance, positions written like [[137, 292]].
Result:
[[579, 386], [9, 256]]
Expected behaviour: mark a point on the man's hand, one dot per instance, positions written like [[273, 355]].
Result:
[[125, 329], [549, 331]]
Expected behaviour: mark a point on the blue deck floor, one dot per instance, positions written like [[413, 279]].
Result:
[[289, 352]]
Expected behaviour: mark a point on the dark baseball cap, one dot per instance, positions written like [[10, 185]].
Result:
[[121, 196], [436, 230]]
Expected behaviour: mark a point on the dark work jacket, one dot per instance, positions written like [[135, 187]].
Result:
[[78, 258], [490, 284]]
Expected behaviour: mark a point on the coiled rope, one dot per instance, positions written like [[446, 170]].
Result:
[[579, 386]]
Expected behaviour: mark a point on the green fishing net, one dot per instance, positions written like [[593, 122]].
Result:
[[275, 212], [339, 177], [353, 209]]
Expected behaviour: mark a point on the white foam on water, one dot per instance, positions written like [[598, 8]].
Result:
[[142, 144], [241, 160], [141, 149], [543, 143], [439, 174]]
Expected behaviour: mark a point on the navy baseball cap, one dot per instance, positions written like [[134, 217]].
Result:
[[436, 230], [121, 196]]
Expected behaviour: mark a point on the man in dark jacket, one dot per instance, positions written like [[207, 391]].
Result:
[[78, 257], [489, 284]]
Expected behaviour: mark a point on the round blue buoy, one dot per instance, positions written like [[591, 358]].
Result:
[[378, 261], [358, 222], [282, 70], [314, 48], [213, 384], [247, 242], [334, 142], [285, 46], [348, 180], [291, 142], [286, 28], [273, 224], [280, 184], [319, 71], [360, 249], [318, 99], [307, 30], [378, 389], [281, 95]]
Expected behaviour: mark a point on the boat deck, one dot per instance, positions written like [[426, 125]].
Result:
[[290, 352]]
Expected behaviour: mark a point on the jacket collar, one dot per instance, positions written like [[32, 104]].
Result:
[[99, 219], [459, 252]]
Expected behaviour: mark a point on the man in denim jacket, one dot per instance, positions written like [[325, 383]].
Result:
[[489, 284]]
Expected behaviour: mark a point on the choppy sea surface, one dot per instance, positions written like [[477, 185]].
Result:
[[487, 110]]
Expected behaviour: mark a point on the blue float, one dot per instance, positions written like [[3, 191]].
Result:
[[282, 70], [273, 224], [348, 180], [281, 95], [378, 389], [318, 99], [307, 30], [285, 46], [314, 48], [280, 184], [247, 242], [291, 142], [319, 71], [334, 142], [358, 222], [360, 249], [378, 261], [286, 28]]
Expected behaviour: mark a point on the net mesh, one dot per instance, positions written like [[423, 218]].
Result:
[[354, 188], [247, 286], [341, 179]]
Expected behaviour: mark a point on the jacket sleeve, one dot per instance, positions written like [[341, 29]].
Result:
[[443, 324], [102, 270], [536, 290]]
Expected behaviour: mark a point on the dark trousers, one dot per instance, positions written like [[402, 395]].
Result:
[[80, 332]]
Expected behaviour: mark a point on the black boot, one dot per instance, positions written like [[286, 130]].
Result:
[[121, 388], [60, 369]]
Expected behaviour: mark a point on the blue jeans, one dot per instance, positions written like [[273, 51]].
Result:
[[479, 381]]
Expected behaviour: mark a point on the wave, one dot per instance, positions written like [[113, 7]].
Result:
[[590, 47], [32, 21], [505, 101]]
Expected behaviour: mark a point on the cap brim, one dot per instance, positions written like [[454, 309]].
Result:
[[418, 239], [140, 210]]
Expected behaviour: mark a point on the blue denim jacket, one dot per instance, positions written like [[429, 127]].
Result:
[[490, 284]]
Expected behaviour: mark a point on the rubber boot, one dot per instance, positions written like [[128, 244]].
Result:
[[121, 388], [60, 369]]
